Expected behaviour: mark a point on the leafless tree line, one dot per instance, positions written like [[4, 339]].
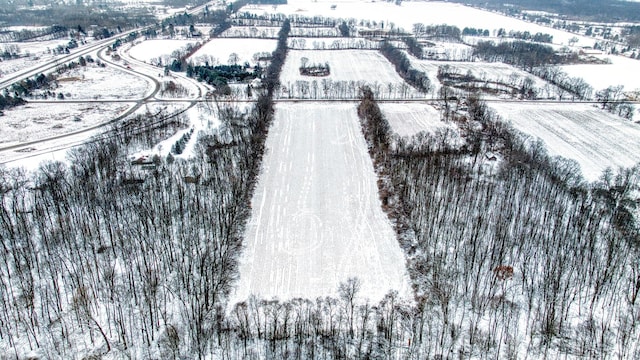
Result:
[[512, 258]]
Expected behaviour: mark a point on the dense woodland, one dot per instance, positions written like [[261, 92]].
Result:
[[402, 64], [511, 258]]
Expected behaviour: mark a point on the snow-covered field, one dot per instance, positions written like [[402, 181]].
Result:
[[410, 13], [265, 32], [592, 137], [448, 51], [322, 43], [316, 216], [35, 47], [622, 71], [151, 50], [35, 121], [37, 51], [218, 51], [93, 82], [407, 119], [357, 67], [494, 72]]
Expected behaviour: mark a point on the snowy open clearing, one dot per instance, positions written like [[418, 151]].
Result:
[[316, 216], [94, 82], [151, 50], [35, 121], [484, 71], [407, 119], [33, 53], [322, 43], [592, 137], [218, 51], [357, 67], [622, 71], [265, 32], [410, 13]]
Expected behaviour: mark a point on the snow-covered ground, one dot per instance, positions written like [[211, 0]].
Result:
[[355, 67], [38, 52], [218, 51], [152, 50], [409, 13], [186, 87], [94, 82], [484, 71], [316, 216], [592, 137], [622, 71], [202, 118], [323, 43], [448, 51], [35, 121], [265, 32], [408, 119]]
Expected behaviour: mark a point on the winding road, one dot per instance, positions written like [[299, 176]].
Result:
[[136, 67]]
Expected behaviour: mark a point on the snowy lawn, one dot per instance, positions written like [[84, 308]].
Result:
[[622, 71], [349, 70], [408, 119], [218, 51], [316, 216], [410, 13], [592, 137]]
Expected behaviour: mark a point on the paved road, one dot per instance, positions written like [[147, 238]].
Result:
[[99, 47]]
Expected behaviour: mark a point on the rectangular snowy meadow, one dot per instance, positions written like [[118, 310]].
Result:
[[152, 50], [218, 51], [316, 215], [408, 119], [590, 136], [349, 70]]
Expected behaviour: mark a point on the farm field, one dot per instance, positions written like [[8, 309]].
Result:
[[35, 121], [33, 53], [409, 13], [217, 51], [592, 137], [349, 70], [151, 50], [264, 32], [408, 119], [325, 43], [484, 71], [622, 71], [93, 82], [316, 217]]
